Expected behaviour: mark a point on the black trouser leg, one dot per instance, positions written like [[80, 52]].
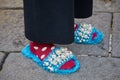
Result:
[[52, 21]]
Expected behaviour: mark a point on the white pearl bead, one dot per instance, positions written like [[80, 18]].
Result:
[[53, 56], [50, 68], [85, 36], [50, 60], [88, 32], [80, 41], [63, 56], [58, 60], [65, 49], [83, 40], [62, 49], [80, 34], [90, 25], [83, 25], [58, 52], [55, 63], [67, 54], [90, 28], [70, 52], [82, 29], [46, 63]]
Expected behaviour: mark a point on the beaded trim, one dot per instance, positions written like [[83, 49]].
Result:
[[57, 58], [82, 34]]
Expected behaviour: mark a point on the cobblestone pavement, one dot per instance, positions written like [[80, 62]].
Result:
[[98, 62]]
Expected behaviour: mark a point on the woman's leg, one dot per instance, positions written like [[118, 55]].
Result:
[[85, 33], [47, 23], [83, 8]]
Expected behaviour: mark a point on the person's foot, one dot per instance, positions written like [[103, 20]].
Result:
[[87, 34], [52, 58]]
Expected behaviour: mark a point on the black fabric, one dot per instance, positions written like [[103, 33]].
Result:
[[52, 21], [83, 8]]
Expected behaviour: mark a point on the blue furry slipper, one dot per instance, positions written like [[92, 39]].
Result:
[[87, 34], [53, 62]]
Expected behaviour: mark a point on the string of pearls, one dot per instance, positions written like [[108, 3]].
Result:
[[83, 32], [57, 58]]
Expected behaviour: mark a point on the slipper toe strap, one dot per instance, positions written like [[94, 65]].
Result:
[[57, 58], [84, 33]]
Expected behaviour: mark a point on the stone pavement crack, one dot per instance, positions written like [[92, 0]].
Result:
[[111, 36], [11, 51], [3, 60], [11, 8], [98, 56]]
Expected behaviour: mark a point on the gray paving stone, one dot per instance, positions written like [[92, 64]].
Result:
[[11, 3], [102, 22], [1, 58], [106, 5], [11, 30], [18, 67], [116, 35]]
